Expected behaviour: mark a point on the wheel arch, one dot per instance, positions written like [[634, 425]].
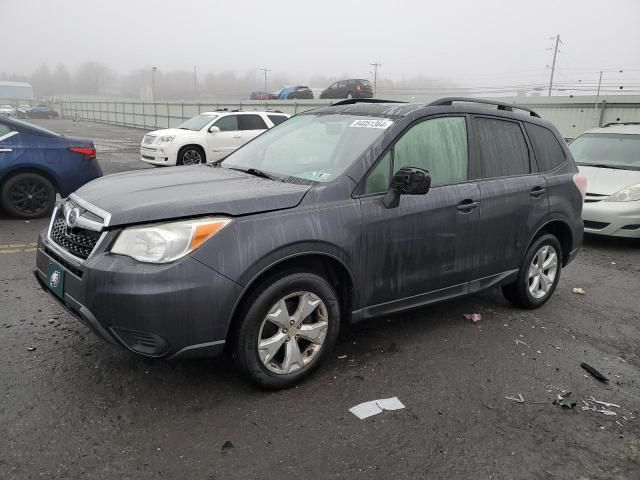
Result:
[[191, 144], [30, 169], [562, 231], [324, 264]]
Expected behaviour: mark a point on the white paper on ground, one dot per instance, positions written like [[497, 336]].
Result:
[[374, 407]]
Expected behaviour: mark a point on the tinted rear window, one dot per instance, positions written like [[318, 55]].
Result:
[[251, 122], [502, 149], [277, 119], [549, 153]]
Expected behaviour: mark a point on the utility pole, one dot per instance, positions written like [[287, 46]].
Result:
[[553, 65], [375, 66], [265, 70], [153, 83]]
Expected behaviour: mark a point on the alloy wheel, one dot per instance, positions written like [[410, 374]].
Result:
[[191, 157], [542, 271], [293, 332], [29, 197]]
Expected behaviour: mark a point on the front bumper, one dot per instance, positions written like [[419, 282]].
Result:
[[616, 219], [156, 156], [170, 310]]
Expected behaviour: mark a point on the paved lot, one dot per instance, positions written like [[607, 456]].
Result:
[[76, 407]]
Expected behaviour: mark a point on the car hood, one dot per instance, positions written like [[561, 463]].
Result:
[[176, 192], [607, 181], [170, 131]]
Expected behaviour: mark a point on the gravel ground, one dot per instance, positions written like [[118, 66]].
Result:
[[75, 407]]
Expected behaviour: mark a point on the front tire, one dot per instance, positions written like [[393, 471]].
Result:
[[28, 195], [287, 328], [191, 155], [539, 274]]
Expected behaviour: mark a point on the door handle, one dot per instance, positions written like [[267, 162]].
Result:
[[467, 205], [537, 192], [6, 149], [237, 136]]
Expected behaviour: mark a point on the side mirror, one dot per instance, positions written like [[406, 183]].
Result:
[[214, 129], [407, 181]]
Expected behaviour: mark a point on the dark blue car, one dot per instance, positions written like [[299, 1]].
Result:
[[36, 163]]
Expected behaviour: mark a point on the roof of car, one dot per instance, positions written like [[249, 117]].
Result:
[[624, 128], [235, 112], [387, 109]]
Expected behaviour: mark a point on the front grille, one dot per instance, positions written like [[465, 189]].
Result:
[[147, 157], [77, 241], [595, 225]]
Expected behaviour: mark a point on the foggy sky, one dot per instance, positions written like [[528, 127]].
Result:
[[470, 41]]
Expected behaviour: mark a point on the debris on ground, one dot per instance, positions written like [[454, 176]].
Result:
[[474, 317], [517, 398], [594, 372], [604, 404], [342, 357], [374, 407], [579, 291], [227, 446], [520, 342], [595, 408], [561, 401], [31, 348]]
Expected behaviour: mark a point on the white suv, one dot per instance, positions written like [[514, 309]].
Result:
[[207, 137]]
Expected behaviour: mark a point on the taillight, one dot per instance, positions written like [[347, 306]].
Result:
[[358, 87], [581, 182], [88, 152]]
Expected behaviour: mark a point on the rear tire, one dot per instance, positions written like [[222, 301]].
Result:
[[191, 155], [271, 344], [539, 274], [28, 195]]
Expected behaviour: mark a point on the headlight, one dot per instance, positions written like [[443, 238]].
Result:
[[630, 194], [166, 242], [165, 139]]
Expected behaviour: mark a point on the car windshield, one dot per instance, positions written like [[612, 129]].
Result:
[[35, 127], [616, 150], [316, 147], [197, 123]]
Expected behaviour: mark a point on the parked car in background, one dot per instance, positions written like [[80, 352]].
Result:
[[41, 111], [8, 110], [299, 92], [260, 95], [207, 137], [36, 163], [341, 213], [353, 88], [609, 157], [22, 110]]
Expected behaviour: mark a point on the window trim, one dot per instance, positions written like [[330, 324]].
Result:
[[532, 160], [358, 191], [227, 116]]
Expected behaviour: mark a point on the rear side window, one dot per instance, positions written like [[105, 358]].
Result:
[[549, 153], [502, 149], [228, 123], [277, 119], [439, 146], [251, 122]]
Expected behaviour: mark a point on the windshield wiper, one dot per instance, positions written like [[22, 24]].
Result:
[[256, 172]]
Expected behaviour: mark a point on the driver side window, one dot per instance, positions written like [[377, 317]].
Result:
[[228, 123]]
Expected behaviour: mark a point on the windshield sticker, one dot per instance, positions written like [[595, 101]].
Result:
[[377, 123], [318, 176]]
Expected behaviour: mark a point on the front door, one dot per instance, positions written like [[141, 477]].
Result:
[[222, 143], [423, 250]]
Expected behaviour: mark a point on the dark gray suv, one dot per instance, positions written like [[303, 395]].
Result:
[[340, 214]]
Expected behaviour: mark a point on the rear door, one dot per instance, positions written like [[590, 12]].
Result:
[[10, 148], [222, 143], [251, 125], [514, 201]]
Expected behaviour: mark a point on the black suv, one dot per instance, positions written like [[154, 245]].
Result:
[[339, 214], [353, 88]]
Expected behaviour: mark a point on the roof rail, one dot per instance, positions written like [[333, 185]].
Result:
[[610, 124], [352, 101], [501, 105]]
